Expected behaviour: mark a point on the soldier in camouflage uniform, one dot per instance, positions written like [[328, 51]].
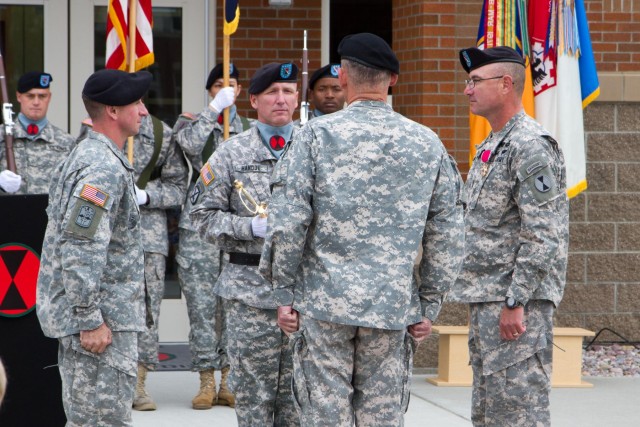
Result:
[[165, 187], [325, 93], [90, 292], [198, 260], [516, 224], [38, 146], [355, 197], [258, 350]]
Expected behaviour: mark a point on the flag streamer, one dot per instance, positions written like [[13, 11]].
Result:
[[553, 36]]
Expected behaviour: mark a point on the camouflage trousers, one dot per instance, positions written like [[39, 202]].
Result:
[[511, 379], [97, 389], [261, 367], [198, 269], [148, 345], [348, 375]]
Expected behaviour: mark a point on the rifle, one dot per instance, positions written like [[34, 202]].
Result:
[[7, 118], [304, 105]]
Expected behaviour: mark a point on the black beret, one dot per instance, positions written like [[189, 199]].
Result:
[[329, 70], [216, 73], [271, 73], [370, 50], [115, 87], [34, 80], [473, 57]]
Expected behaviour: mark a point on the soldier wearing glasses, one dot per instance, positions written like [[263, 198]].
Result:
[[516, 229]]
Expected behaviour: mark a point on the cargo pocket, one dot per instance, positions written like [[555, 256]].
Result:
[[409, 350], [299, 388]]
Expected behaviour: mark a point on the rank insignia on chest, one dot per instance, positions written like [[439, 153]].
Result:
[[206, 173], [94, 195]]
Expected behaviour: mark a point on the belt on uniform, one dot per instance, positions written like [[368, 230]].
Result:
[[244, 259]]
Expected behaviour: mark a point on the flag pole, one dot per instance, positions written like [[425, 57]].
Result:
[[226, 54], [133, 6]]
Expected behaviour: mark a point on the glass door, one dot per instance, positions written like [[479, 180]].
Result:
[[33, 37]]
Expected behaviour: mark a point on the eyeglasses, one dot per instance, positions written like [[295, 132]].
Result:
[[471, 83]]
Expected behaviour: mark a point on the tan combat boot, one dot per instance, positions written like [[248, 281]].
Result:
[[141, 400], [206, 396], [225, 397]]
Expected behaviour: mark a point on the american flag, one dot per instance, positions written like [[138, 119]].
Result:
[[207, 174], [94, 195], [118, 34]]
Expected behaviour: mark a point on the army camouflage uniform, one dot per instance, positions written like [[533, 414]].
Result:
[[355, 197], [36, 158], [92, 272], [199, 261], [516, 245], [166, 188], [258, 350]]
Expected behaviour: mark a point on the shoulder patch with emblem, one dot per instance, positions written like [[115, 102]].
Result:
[[206, 173], [543, 183], [85, 219], [196, 193], [94, 195]]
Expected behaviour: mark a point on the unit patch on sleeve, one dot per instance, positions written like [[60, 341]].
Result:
[[196, 193], [85, 218]]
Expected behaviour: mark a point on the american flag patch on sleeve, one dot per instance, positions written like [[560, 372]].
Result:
[[207, 174], [93, 195]]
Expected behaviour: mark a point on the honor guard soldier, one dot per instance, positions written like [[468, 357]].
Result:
[[39, 147], [160, 172], [235, 219], [355, 198], [199, 261], [90, 293], [325, 92], [516, 223]]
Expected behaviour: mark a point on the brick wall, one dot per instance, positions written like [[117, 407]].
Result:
[[615, 33], [603, 279]]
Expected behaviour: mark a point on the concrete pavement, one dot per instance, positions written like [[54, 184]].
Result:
[[611, 402]]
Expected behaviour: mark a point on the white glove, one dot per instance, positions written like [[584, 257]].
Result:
[[9, 181], [224, 98], [259, 226], [141, 196]]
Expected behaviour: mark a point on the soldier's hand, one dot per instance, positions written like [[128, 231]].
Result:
[[420, 331], [287, 319], [9, 181], [141, 196], [259, 226], [224, 98], [96, 340], [511, 325]]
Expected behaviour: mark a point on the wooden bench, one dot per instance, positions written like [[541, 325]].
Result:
[[453, 357]]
